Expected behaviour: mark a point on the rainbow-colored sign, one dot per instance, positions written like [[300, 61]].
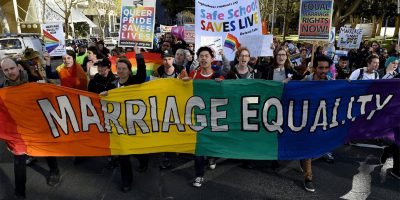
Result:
[[137, 26], [53, 36], [315, 19]]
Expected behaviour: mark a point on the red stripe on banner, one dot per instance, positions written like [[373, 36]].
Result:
[[10, 133]]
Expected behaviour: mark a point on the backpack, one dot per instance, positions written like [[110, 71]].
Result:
[[361, 75]]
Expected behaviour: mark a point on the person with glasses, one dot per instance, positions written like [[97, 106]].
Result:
[[241, 68], [190, 47], [281, 69]]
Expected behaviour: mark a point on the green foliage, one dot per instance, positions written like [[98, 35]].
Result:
[[81, 29], [175, 6]]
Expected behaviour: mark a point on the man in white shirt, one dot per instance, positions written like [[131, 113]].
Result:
[[369, 72]]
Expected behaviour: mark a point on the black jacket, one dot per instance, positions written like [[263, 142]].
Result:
[[100, 84], [268, 73], [140, 76]]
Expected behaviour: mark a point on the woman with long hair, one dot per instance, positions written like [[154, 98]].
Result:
[[70, 73], [281, 69]]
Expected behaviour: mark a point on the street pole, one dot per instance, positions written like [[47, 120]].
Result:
[[386, 24], [273, 16]]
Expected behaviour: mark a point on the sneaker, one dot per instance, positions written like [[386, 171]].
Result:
[[309, 186], [30, 160], [198, 181], [329, 157], [211, 163], [385, 155], [397, 176], [53, 179]]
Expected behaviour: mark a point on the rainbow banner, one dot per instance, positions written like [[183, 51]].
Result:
[[243, 119], [137, 25], [53, 37], [315, 19]]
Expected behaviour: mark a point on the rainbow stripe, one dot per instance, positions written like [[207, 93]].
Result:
[[231, 42]]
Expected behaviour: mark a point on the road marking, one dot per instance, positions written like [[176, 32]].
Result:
[[361, 186]]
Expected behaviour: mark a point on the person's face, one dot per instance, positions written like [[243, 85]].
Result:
[[281, 57], [11, 70], [373, 66], [68, 60], [321, 70], [103, 71], [165, 46], [244, 58], [190, 47], [375, 46], [91, 55], [343, 63], [179, 56], [303, 54], [122, 70], [205, 59], [393, 65], [168, 61], [168, 37], [82, 50], [188, 56], [100, 46]]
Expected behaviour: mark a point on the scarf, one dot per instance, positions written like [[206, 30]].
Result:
[[73, 77]]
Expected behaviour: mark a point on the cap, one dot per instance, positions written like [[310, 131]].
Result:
[[167, 53], [105, 62]]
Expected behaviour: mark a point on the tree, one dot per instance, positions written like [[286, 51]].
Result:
[[104, 9], [81, 29], [342, 9], [65, 6], [4, 22], [175, 6]]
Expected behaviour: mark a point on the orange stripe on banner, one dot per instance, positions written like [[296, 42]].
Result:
[[35, 128]]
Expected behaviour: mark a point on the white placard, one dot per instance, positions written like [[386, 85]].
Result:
[[349, 38], [53, 36], [258, 45], [215, 42]]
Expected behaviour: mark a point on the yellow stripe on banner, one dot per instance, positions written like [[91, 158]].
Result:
[[151, 125]]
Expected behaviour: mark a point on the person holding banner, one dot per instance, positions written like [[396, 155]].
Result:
[[242, 69], [70, 73], [281, 69], [206, 56], [16, 76], [321, 65], [369, 72], [126, 78]]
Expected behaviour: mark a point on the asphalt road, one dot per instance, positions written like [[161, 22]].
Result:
[[355, 174]]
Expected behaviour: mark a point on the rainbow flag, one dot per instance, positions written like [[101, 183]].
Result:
[[231, 42], [152, 60]]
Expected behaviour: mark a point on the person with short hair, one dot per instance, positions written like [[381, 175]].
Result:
[[104, 79], [321, 65], [169, 69], [80, 56], [17, 76], [369, 72], [389, 71], [342, 68]]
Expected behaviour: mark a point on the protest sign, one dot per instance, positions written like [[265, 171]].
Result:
[[218, 18], [189, 33], [166, 29], [53, 36], [349, 38], [137, 25], [258, 45], [242, 119], [339, 53], [215, 42], [315, 20], [332, 35]]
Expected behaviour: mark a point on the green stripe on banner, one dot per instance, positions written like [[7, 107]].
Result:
[[231, 139]]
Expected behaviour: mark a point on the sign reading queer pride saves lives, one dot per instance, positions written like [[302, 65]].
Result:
[[315, 19], [137, 25], [243, 119], [218, 18]]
